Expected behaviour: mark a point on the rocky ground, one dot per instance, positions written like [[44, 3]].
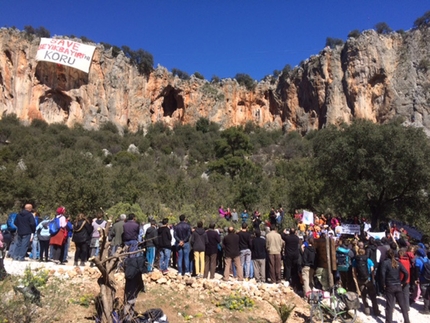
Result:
[[186, 299]]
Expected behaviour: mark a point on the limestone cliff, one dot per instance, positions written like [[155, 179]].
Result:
[[373, 76]]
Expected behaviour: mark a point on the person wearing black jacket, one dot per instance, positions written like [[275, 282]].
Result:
[[198, 242], [308, 265], [164, 243], [291, 255], [245, 249], [390, 278], [26, 226], [232, 254], [211, 251], [150, 237], [258, 252], [82, 230], [182, 235]]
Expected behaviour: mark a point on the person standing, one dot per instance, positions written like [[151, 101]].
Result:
[[182, 235], [291, 255], [232, 254], [130, 234], [211, 251], [390, 278], [26, 226], [234, 216], [116, 233], [423, 281], [308, 268], [69, 229], [98, 223], [164, 243], [82, 231], [58, 239], [150, 239], [244, 216], [245, 249], [274, 248], [35, 246], [42, 231], [198, 241], [258, 252], [362, 271]]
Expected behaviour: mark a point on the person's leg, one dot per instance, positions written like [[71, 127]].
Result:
[[202, 262], [66, 250], [305, 278], [212, 267], [425, 292], [180, 259], [187, 249], [288, 263], [18, 248], [150, 255], [278, 268], [257, 270], [371, 291], [35, 253], [227, 268], [391, 302], [406, 295], [263, 270], [84, 253], [247, 263], [272, 268], [238, 266], [78, 252], [208, 265], [197, 262], [402, 303]]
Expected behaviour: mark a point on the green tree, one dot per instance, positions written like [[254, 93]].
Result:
[[354, 33], [199, 76], [333, 42], [245, 80], [181, 74], [381, 171], [423, 21], [383, 28]]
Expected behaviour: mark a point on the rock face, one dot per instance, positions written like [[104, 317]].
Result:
[[377, 77]]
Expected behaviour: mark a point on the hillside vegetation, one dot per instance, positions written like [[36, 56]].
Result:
[[376, 171]]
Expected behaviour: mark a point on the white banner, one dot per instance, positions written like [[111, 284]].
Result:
[[65, 52], [349, 229], [376, 235], [308, 217]]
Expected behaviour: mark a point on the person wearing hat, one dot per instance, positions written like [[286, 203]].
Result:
[[58, 240]]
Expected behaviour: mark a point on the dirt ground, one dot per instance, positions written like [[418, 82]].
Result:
[[72, 301]]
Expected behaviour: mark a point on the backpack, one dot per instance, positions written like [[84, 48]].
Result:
[[425, 271], [54, 226], [342, 259], [361, 268], [10, 222]]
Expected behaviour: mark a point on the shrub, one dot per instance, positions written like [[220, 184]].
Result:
[[382, 28], [245, 80], [423, 21], [199, 76], [236, 302], [143, 60], [333, 42], [354, 33], [215, 79], [181, 74]]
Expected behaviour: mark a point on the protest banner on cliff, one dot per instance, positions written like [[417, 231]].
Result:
[[66, 52]]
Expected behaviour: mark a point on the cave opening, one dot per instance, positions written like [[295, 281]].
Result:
[[171, 101]]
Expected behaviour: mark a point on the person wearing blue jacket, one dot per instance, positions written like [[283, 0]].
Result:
[[421, 260], [43, 235], [26, 226]]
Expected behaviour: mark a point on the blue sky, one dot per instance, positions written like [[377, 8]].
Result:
[[222, 37]]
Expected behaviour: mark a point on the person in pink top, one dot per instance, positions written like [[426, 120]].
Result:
[[221, 212]]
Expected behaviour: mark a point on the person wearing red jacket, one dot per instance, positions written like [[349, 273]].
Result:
[[404, 260]]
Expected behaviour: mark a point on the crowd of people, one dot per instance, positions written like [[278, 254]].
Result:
[[305, 256]]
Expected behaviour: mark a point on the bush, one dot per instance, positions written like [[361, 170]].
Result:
[[383, 28], [423, 21], [199, 76], [181, 74], [245, 80], [215, 79], [143, 60], [333, 42], [354, 33]]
